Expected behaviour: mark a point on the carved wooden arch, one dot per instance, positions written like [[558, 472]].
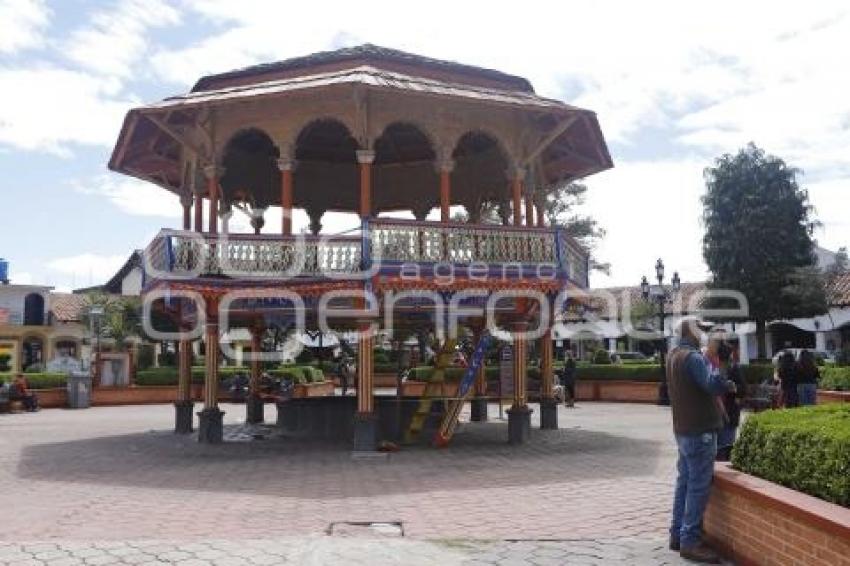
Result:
[[436, 142]]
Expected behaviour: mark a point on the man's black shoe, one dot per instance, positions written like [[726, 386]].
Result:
[[699, 553], [674, 543]]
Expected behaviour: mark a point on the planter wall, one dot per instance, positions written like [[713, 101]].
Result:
[[304, 390], [833, 396], [617, 391], [755, 521]]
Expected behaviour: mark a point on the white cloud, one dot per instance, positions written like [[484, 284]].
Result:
[[87, 266], [650, 209], [116, 38], [22, 24], [132, 196], [48, 109]]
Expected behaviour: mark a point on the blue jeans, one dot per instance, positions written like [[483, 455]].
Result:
[[695, 470], [807, 393]]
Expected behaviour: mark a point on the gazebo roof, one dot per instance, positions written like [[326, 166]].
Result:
[[360, 55]]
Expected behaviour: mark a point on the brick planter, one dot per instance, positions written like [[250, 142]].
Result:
[[304, 390], [617, 391], [755, 521], [833, 397]]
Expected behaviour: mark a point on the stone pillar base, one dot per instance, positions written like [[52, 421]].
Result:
[[183, 417], [548, 413], [663, 394], [365, 432], [254, 410], [211, 426], [519, 424], [478, 405]]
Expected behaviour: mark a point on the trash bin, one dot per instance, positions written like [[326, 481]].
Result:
[[79, 390]]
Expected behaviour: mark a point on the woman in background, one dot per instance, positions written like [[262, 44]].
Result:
[[787, 373], [807, 379]]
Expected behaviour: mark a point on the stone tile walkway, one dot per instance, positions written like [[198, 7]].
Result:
[[114, 484]]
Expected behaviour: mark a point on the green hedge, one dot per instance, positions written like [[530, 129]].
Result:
[[168, 376], [806, 449], [631, 372], [40, 380], [835, 378]]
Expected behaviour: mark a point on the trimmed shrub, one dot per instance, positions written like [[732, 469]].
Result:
[[38, 380], [835, 378], [631, 372], [806, 449], [601, 357], [754, 374]]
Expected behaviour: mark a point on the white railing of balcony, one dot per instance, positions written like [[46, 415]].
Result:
[[248, 255], [412, 241]]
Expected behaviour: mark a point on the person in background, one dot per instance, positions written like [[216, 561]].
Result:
[[787, 373], [697, 417], [568, 380], [731, 400], [807, 379], [19, 391]]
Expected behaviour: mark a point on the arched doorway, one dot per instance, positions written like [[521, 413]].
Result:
[[327, 175], [405, 177], [480, 178], [33, 353], [251, 176], [33, 310]]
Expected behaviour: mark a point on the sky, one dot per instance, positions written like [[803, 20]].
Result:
[[674, 84]]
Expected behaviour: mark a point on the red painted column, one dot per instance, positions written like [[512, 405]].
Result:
[[541, 213], [186, 203], [286, 166], [446, 166], [199, 212], [516, 190], [529, 209], [213, 174], [365, 157]]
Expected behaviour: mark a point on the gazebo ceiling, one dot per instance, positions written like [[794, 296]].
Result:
[[324, 107]]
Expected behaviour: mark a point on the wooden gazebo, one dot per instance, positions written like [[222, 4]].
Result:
[[370, 131]]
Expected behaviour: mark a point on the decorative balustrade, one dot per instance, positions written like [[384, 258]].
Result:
[[388, 242], [250, 256], [405, 241]]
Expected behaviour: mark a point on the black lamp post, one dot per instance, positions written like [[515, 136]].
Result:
[[660, 295]]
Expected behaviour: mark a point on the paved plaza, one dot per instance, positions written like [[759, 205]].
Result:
[[114, 485]]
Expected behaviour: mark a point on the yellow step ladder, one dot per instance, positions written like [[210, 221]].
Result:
[[433, 390]]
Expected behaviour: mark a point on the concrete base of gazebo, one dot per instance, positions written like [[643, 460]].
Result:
[[548, 414], [519, 424], [254, 410], [478, 406], [211, 426], [183, 417]]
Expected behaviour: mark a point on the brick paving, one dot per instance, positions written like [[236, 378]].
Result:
[[114, 485]]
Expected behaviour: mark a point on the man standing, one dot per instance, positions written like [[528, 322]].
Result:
[[696, 419]]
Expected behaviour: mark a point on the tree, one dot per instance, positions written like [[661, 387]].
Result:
[[559, 205], [839, 266], [758, 237], [120, 320]]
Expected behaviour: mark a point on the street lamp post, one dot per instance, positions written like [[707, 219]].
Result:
[[95, 314], [660, 295]]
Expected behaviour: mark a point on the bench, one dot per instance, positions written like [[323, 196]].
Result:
[[8, 405]]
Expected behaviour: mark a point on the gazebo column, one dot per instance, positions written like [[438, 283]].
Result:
[[286, 166], [478, 405], [529, 209], [365, 419], [254, 406], [519, 415], [445, 168], [199, 212], [210, 419], [516, 195], [186, 203], [315, 214], [213, 174], [365, 157], [184, 405], [548, 405], [539, 203]]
